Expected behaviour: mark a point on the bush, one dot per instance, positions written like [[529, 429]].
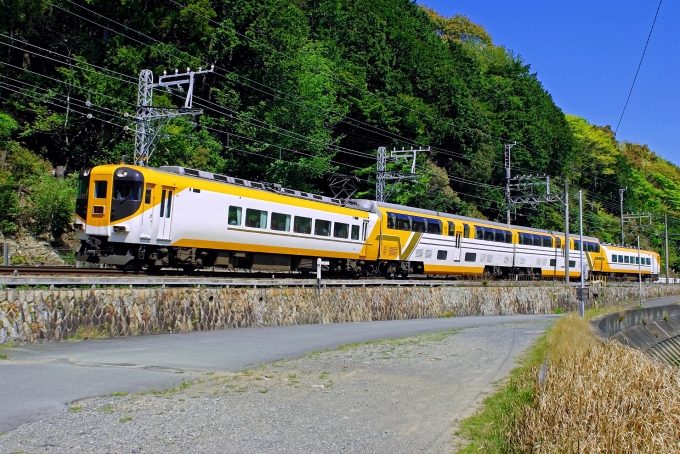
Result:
[[9, 204], [51, 204]]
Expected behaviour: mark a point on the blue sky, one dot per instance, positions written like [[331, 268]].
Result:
[[586, 53]]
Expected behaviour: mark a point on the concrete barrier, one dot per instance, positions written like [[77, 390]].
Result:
[[654, 330]]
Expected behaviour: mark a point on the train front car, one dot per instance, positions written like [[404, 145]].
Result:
[[109, 214], [143, 217]]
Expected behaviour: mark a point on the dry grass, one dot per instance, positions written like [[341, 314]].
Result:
[[598, 398]]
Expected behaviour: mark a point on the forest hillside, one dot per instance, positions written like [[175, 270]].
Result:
[[302, 90]]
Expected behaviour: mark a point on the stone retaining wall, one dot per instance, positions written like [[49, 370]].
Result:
[[55, 315]]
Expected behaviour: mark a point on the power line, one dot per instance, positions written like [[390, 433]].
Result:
[[638, 68]]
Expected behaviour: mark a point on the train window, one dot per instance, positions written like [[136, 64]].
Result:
[[470, 257], [147, 196], [355, 232], [234, 217], [302, 225], [280, 222], [527, 239], [391, 220], [626, 259], [466, 231], [508, 237], [418, 224], [479, 233], [488, 234], [322, 228], [83, 188], [499, 235], [163, 202], [256, 219], [441, 255], [452, 229], [403, 222], [434, 226], [537, 240], [100, 189], [127, 190], [614, 258], [572, 263], [364, 230], [553, 262], [559, 242], [340, 230], [547, 241], [168, 204], [597, 248], [620, 259], [637, 260], [649, 261]]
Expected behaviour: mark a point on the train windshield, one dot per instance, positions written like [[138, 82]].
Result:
[[83, 187], [127, 190]]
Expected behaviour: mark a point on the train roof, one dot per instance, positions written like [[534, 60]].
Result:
[[469, 219], [270, 187]]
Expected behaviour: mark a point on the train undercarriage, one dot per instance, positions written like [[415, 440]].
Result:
[[152, 258]]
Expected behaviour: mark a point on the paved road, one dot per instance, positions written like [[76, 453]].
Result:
[[657, 302], [38, 380]]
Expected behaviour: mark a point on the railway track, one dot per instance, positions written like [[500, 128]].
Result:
[[56, 276]]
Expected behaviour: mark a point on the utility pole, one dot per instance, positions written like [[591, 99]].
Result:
[[639, 260], [151, 119], [566, 233], [580, 230], [621, 191], [506, 150], [665, 222], [382, 175]]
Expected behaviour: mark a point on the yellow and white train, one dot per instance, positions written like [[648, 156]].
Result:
[[150, 218]]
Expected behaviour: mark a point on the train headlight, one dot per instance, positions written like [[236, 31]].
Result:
[[119, 229], [121, 173], [98, 209], [77, 226]]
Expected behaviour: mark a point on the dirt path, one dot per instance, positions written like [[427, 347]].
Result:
[[398, 395]]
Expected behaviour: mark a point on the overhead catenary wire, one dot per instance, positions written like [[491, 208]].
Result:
[[87, 115], [639, 66]]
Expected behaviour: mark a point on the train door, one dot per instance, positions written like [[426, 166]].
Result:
[[456, 249], [165, 213], [364, 235], [147, 217]]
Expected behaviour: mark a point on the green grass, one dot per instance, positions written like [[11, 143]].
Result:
[[75, 409], [125, 419], [3, 356], [119, 394]]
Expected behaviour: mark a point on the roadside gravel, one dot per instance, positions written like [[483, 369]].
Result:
[[397, 395]]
